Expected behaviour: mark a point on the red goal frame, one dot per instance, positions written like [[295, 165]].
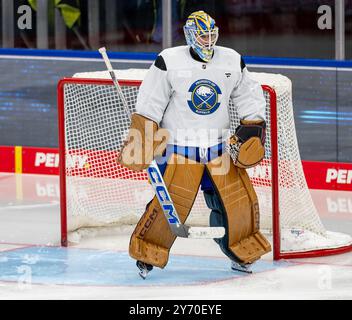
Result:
[[277, 254]]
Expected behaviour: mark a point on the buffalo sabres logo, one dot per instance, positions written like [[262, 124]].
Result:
[[204, 97]]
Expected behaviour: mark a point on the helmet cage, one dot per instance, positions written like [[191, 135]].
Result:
[[202, 41]]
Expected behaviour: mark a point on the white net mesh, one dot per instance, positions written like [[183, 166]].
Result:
[[102, 193]]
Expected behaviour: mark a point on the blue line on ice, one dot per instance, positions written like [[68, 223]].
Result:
[[89, 267]]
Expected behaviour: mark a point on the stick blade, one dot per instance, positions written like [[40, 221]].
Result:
[[206, 232]]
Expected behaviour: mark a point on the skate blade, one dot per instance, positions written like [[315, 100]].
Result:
[[241, 269], [206, 232], [143, 274], [144, 269]]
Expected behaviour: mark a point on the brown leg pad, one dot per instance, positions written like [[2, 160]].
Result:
[[152, 238], [251, 248], [242, 209]]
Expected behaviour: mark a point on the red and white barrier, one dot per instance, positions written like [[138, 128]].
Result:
[[319, 175]]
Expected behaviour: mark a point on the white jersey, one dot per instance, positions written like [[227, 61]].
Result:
[[191, 98]]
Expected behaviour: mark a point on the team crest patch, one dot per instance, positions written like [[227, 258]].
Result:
[[205, 96]]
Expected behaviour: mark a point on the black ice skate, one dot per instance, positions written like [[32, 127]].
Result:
[[144, 269], [241, 267]]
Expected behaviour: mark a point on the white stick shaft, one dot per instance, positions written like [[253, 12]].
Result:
[[114, 79], [106, 59]]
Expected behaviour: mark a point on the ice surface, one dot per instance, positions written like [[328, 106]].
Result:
[[33, 266]]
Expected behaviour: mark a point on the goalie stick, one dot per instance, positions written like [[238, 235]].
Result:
[[158, 184]]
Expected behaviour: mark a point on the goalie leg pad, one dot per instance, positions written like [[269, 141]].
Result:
[[241, 208], [152, 238], [218, 218]]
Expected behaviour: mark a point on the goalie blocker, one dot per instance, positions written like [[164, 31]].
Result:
[[233, 202]]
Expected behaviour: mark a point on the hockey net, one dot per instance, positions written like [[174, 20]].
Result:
[[97, 192]]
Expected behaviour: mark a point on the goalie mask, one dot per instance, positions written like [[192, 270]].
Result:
[[201, 34]]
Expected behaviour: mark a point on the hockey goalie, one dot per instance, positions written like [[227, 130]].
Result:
[[182, 121]]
